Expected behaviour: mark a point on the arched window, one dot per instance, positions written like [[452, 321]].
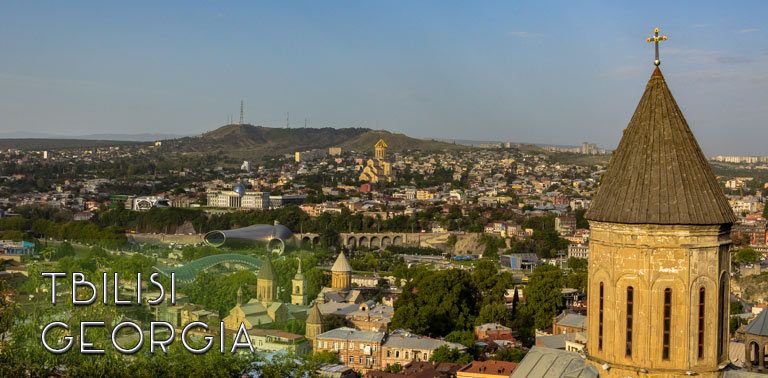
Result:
[[667, 325], [701, 322], [753, 354], [630, 305], [721, 324], [765, 355], [600, 320]]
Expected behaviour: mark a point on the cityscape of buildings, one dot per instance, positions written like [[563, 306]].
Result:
[[426, 260]]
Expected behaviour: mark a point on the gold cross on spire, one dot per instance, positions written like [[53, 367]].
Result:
[[655, 40]]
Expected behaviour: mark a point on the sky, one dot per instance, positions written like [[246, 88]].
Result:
[[554, 72]]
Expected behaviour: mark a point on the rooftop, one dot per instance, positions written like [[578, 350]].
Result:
[[346, 333], [546, 362], [490, 367], [758, 326], [341, 264]]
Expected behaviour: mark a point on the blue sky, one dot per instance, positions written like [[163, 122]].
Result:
[[548, 72]]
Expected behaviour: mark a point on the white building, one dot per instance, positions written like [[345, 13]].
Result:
[[580, 251]]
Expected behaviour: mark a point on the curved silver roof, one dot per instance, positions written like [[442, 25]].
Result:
[[256, 232]]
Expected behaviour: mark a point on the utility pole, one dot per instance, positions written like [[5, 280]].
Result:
[[241, 112]]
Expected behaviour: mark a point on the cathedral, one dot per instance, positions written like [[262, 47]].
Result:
[[658, 286], [377, 169], [266, 308]]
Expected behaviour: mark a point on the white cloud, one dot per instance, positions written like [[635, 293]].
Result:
[[748, 30]]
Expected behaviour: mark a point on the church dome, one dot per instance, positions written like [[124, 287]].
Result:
[[239, 189], [342, 264]]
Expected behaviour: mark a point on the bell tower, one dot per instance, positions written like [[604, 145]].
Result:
[[658, 294], [380, 149], [298, 288], [265, 283], [341, 273]]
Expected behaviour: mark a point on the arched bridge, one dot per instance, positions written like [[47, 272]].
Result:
[[378, 239], [307, 240], [188, 272]]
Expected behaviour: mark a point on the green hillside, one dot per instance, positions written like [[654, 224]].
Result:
[[396, 142], [255, 141], [56, 144]]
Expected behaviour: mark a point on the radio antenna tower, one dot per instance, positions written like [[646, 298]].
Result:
[[288, 120], [241, 112]]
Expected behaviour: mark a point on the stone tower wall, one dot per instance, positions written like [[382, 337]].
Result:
[[650, 259]]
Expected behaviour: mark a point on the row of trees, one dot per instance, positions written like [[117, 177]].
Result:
[[448, 303], [436, 303]]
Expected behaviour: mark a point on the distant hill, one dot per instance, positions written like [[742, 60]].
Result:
[[54, 144], [396, 142], [141, 137], [247, 141], [239, 140]]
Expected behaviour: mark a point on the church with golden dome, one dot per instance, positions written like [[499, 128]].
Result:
[[377, 169]]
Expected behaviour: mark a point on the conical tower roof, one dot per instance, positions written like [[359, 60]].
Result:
[[341, 264], [314, 316], [758, 326], [658, 174], [267, 271], [299, 275]]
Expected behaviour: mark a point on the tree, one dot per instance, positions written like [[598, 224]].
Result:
[[494, 313], [576, 264], [448, 354], [509, 355], [64, 250], [437, 302], [466, 338], [736, 308], [543, 297], [746, 256], [7, 309], [394, 369], [581, 220], [451, 242], [329, 238]]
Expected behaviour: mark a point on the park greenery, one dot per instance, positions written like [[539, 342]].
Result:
[[745, 256], [447, 302], [108, 227]]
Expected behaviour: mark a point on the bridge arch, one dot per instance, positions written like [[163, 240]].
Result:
[[397, 240], [189, 271], [352, 242], [375, 243], [363, 242], [385, 241]]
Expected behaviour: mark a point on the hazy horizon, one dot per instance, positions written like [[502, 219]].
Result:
[[556, 73]]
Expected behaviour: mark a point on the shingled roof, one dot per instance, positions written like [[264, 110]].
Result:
[[758, 326], [341, 264], [658, 174], [267, 272]]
